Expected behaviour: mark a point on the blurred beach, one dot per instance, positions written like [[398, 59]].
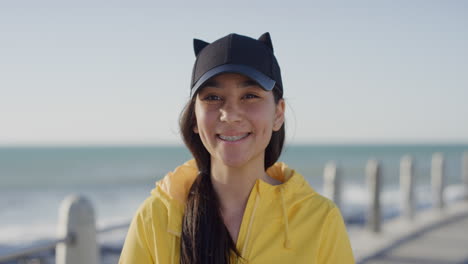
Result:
[[86, 73], [116, 179]]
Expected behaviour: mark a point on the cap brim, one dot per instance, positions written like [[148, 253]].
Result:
[[264, 81]]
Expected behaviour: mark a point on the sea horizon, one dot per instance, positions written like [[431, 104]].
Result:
[[181, 144]]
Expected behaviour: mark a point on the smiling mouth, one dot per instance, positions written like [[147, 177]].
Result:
[[233, 138]]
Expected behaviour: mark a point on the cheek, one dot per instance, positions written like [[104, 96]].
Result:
[[263, 123], [204, 121], [199, 117], [199, 120], [264, 117]]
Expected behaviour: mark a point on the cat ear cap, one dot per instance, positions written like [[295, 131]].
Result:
[[234, 53]]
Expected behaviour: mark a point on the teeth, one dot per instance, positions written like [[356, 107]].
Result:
[[233, 138]]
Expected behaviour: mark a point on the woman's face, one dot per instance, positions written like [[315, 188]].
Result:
[[235, 118]]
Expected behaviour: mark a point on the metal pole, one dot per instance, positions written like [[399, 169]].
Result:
[[28, 251], [332, 183], [437, 180], [407, 187], [465, 174], [374, 182]]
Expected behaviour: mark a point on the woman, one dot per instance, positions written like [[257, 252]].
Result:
[[234, 203]]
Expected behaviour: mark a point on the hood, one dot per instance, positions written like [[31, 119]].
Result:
[[173, 190]]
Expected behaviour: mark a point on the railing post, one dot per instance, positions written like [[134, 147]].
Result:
[[437, 180], [332, 183], [465, 174], [76, 221], [407, 187], [373, 182]]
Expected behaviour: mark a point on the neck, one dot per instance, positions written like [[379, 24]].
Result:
[[233, 184]]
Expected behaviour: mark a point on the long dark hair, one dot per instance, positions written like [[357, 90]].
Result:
[[205, 239]]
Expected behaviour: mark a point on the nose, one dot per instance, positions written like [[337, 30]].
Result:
[[231, 112]]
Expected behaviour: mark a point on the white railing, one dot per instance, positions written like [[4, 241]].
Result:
[[407, 185], [28, 251], [77, 242], [77, 234]]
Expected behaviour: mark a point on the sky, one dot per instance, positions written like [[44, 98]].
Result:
[[118, 72]]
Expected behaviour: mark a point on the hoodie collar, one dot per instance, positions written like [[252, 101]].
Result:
[[174, 187]]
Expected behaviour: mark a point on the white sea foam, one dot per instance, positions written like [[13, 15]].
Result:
[[356, 199], [36, 216], [14, 234]]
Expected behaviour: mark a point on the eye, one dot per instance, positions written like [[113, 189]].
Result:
[[211, 97], [250, 96]]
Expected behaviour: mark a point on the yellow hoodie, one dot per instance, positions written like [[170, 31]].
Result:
[[286, 223]]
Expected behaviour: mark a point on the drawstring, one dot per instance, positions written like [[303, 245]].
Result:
[[257, 199], [287, 242]]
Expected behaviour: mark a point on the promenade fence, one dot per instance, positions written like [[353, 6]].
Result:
[[77, 234], [77, 237]]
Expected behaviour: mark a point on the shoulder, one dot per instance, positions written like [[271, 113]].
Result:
[[160, 206], [149, 235], [151, 205], [335, 246], [326, 221], [302, 195], [305, 203], [162, 213], [316, 208], [152, 221], [150, 215], [318, 202]]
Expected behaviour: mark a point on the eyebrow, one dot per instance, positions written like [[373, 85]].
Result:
[[216, 84]]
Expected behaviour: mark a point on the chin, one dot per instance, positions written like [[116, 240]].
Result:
[[239, 160], [234, 163]]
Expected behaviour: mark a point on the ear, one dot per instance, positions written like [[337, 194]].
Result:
[[279, 115], [195, 129], [265, 38], [198, 45]]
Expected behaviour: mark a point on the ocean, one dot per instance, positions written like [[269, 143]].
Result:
[[116, 179]]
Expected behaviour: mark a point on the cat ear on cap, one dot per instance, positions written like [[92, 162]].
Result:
[[198, 45], [265, 38]]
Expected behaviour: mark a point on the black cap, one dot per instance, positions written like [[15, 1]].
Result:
[[237, 54]]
